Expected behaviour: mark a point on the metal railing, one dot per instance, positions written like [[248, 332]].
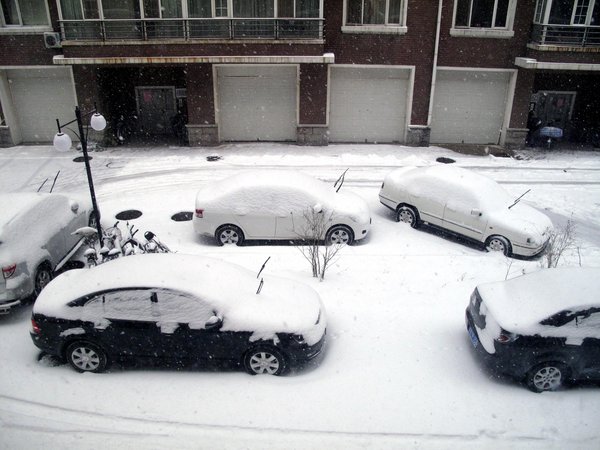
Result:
[[567, 35], [187, 29]]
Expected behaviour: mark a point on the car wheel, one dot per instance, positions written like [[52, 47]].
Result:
[[86, 357], [548, 376], [229, 235], [264, 360], [408, 214], [498, 244], [43, 276], [339, 234]]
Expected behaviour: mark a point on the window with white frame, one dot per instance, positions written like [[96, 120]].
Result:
[[79, 9], [254, 8], [162, 9], [568, 12], [374, 12], [23, 13], [375, 16], [493, 14]]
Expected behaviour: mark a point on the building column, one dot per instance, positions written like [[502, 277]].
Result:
[[202, 128], [516, 133], [312, 124]]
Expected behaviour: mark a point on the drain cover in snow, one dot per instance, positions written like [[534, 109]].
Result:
[[128, 214], [443, 159], [182, 216], [213, 158], [81, 159]]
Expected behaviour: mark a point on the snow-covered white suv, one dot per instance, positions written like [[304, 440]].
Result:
[[466, 203], [35, 240]]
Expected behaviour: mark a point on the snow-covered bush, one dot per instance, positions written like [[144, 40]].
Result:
[[311, 236]]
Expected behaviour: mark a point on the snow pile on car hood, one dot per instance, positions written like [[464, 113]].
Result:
[[283, 305], [277, 192], [520, 304]]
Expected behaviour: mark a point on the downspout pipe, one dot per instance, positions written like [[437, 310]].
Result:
[[435, 61]]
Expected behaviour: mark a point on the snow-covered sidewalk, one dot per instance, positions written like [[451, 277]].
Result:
[[398, 370]]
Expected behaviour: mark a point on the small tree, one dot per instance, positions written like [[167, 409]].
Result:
[[561, 240], [315, 228]]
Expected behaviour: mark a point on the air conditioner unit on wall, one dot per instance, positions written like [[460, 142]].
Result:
[[52, 39]]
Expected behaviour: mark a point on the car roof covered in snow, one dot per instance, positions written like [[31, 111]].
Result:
[[12, 204], [268, 178], [525, 301], [275, 192], [283, 305], [443, 180]]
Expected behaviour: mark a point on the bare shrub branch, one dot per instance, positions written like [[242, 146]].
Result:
[[311, 239], [561, 240]]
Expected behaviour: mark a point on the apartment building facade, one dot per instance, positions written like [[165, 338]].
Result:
[[414, 72]]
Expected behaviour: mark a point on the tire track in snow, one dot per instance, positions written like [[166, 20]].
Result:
[[19, 415]]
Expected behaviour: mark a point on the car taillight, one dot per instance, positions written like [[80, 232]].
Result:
[[9, 271], [199, 213], [35, 327]]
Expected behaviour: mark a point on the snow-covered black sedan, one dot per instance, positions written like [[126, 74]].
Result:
[[542, 328], [178, 307]]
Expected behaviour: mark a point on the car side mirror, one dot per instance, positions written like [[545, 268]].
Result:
[[318, 208], [214, 323], [74, 207], [476, 212]]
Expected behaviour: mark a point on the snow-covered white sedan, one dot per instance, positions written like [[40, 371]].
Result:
[[35, 240], [179, 308], [279, 205], [466, 203], [543, 328]]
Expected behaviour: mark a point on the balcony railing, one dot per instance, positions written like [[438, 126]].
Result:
[[187, 29], [567, 35]]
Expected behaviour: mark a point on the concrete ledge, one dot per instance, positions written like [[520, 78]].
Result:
[[5, 137], [203, 135], [515, 138], [418, 136], [317, 135], [478, 149]]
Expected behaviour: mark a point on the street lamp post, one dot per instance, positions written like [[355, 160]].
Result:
[[62, 142]]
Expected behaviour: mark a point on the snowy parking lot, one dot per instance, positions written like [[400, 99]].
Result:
[[398, 370]]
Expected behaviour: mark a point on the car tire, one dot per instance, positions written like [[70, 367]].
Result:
[[87, 357], [339, 234], [409, 215], [229, 235], [43, 276], [498, 244], [548, 376], [264, 361]]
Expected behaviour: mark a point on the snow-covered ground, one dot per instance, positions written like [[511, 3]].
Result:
[[398, 371]]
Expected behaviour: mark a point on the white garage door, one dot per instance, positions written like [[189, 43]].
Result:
[[469, 107], [257, 103], [368, 104], [39, 97]]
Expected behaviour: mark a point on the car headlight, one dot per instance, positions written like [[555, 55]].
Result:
[[298, 338]]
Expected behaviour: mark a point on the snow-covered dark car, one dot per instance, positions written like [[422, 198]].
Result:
[[178, 308], [466, 203], [542, 328], [279, 205], [35, 240]]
